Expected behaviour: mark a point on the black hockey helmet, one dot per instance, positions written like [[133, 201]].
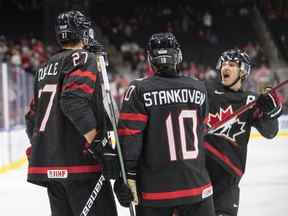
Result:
[[72, 26], [236, 55], [163, 49]]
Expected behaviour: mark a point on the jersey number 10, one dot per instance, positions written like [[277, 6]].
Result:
[[187, 154]]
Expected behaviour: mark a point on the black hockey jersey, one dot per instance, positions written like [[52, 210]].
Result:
[[67, 104], [228, 144], [161, 133]]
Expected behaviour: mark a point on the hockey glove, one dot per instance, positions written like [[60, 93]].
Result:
[[95, 47], [123, 192], [270, 105], [96, 147], [133, 188], [111, 166], [103, 152]]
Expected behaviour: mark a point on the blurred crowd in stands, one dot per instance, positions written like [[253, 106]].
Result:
[[127, 36], [275, 12], [25, 52], [29, 53]]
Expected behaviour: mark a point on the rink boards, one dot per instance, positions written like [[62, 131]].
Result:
[[14, 143]]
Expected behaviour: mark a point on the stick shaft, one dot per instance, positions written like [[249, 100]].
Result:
[[100, 60]]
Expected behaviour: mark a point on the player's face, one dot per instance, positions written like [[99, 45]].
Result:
[[229, 72]]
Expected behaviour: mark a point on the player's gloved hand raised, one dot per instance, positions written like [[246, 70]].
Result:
[[270, 105], [95, 47], [123, 192]]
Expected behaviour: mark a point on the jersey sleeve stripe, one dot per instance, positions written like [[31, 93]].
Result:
[[87, 74], [128, 132], [176, 194], [133, 117], [76, 86], [221, 156]]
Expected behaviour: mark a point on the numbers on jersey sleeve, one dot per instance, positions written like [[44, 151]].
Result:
[[128, 92], [187, 154], [50, 89]]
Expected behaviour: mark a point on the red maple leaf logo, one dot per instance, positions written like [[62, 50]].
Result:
[[214, 118]]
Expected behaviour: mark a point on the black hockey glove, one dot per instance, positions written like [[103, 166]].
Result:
[[111, 165], [123, 192], [270, 105], [96, 147], [97, 48], [102, 151]]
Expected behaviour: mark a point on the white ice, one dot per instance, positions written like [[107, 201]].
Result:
[[264, 188]]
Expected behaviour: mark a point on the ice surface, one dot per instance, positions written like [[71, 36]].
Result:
[[264, 188]]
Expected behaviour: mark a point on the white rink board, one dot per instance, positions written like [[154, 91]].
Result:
[[12, 145], [264, 188]]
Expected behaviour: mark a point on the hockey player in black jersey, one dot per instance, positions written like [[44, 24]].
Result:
[[161, 133], [226, 146], [66, 125]]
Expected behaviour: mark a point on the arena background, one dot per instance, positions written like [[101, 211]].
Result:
[[204, 29]]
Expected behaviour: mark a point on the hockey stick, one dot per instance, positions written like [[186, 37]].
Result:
[[102, 66], [242, 109], [97, 188], [93, 196]]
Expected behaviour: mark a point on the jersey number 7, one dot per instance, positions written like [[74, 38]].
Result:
[[50, 89], [187, 154]]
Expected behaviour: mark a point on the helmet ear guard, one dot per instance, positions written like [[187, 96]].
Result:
[[246, 68], [179, 56], [219, 64]]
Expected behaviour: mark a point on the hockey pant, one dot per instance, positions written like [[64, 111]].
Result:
[[225, 189], [70, 198], [203, 208]]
